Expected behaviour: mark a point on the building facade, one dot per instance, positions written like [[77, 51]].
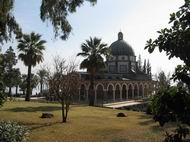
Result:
[[123, 79]]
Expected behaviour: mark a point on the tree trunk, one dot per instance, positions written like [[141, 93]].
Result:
[[41, 87], [16, 90], [10, 88], [28, 92], [63, 112], [68, 101], [92, 93]]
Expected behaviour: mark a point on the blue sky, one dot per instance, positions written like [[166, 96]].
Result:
[[137, 19]]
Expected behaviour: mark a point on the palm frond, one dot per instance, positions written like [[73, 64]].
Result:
[[30, 48], [83, 54]]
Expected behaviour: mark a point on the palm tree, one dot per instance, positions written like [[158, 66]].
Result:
[[94, 52], [30, 48], [42, 73]]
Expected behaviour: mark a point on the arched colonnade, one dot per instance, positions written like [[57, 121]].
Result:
[[114, 92]]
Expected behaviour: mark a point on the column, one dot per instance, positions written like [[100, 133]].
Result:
[[87, 95], [114, 95], [143, 92], [138, 92], [106, 95], [95, 99], [120, 91], [133, 92]]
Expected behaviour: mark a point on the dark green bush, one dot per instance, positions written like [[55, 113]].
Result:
[[148, 109], [171, 104], [13, 132], [177, 136], [2, 95]]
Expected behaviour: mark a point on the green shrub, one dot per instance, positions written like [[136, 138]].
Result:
[[171, 104], [2, 95], [13, 132], [177, 136]]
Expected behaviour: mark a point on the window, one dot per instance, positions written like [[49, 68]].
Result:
[[123, 68], [111, 68]]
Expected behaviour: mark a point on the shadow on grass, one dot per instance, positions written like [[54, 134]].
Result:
[[34, 109], [148, 120], [34, 126]]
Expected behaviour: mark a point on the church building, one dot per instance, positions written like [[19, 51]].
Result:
[[123, 79]]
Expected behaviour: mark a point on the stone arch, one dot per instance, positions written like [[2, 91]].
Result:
[[124, 92], [135, 91], [99, 85], [83, 92], [110, 91], [117, 92], [130, 91], [87, 86], [140, 91], [99, 93]]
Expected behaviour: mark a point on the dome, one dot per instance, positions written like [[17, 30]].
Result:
[[121, 47]]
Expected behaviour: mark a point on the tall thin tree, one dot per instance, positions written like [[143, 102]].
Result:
[[94, 52], [30, 48], [42, 73]]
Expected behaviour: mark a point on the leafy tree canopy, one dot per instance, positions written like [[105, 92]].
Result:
[[57, 11], [8, 24], [171, 104], [2, 96], [53, 11], [9, 59], [175, 40]]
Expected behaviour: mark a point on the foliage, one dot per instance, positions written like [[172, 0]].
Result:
[[148, 69], [163, 80], [182, 73], [171, 104], [53, 11], [139, 63], [145, 66], [2, 95], [17, 80], [42, 74], [23, 83], [10, 78], [30, 48], [94, 52], [56, 11], [2, 98], [13, 132], [9, 59], [180, 133], [10, 73], [64, 84], [34, 81], [8, 24], [31, 53], [175, 41]]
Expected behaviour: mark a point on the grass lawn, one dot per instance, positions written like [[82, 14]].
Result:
[[85, 124]]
